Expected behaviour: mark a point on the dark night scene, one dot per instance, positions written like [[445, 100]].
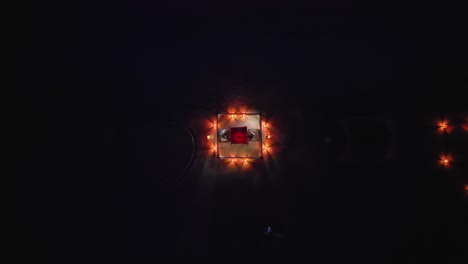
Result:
[[250, 132]]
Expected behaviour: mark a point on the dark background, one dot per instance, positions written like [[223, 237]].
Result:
[[100, 83]]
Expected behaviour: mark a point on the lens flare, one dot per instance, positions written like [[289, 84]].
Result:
[[446, 160], [443, 125]]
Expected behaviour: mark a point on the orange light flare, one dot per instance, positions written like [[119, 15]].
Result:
[[243, 108], [239, 163], [444, 126], [231, 109], [209, 123], [247, 165], [446, 161], [234, 163], [270, 150], [268, 136], [208, 136], [266, 148], [465, 126], [229, 163], [466, 188]]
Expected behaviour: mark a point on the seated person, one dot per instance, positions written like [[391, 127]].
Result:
[[253, 134], [250, 135], [225, 135]]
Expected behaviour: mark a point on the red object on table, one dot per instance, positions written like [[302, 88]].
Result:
[[239, 135]]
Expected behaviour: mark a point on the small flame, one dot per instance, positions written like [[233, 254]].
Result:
[[445, 160]]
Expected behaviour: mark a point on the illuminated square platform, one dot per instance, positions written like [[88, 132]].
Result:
[[227, 148]]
